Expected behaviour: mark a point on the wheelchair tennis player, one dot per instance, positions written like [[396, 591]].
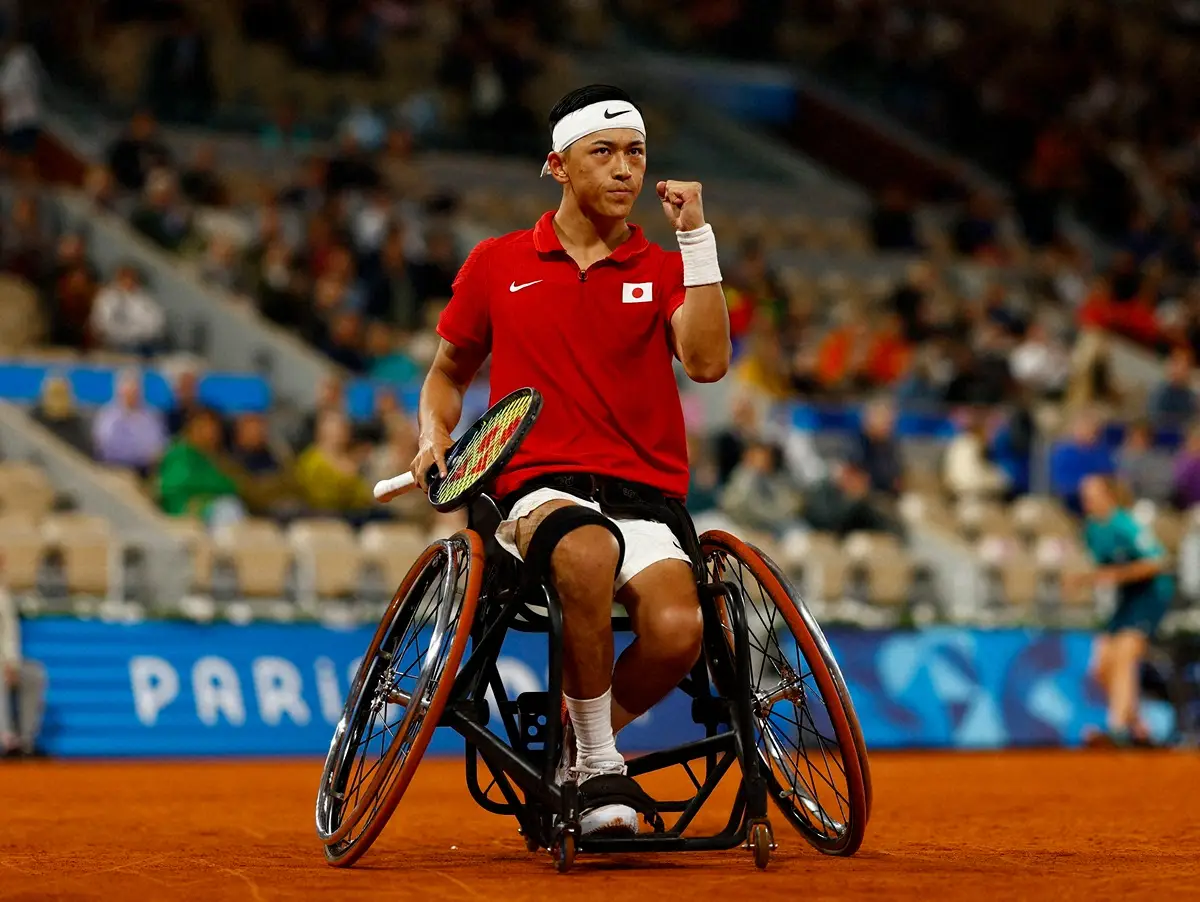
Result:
[[583, 308]]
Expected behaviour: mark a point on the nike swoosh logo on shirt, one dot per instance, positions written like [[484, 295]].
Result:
[[608, 115], [515, 287]]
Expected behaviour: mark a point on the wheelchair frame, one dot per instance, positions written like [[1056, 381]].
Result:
[[548, 815]]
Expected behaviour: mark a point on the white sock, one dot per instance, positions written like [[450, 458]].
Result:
[[592, 720]]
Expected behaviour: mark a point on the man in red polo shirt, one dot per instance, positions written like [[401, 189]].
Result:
[[587, 311]]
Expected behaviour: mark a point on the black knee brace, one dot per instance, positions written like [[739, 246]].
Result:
[[557, 524]]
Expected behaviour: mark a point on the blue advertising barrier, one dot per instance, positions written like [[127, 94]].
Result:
[[230, 393], [174, 689]]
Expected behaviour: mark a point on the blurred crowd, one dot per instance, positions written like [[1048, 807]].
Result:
[[198, 461], [193, 459], [346, 245], [346, 249], [1076, 116], [484, 60], [1098, 113]]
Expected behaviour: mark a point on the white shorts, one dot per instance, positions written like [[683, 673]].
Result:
[[646, 541]]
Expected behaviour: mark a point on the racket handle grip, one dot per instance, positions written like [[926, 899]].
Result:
[[387, 489]]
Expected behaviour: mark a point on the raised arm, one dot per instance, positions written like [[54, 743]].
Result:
[[700, 329], [700, 325]]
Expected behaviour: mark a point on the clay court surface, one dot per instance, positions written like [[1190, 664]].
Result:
[[1026, 825]]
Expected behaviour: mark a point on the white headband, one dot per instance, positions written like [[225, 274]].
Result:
[[594, 118]]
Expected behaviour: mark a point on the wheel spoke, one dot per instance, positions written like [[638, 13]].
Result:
[[401, 684], [796, 737]]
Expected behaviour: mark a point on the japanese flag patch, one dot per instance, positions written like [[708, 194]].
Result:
[[637, 292]]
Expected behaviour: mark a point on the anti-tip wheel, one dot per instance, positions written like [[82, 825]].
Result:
[[564, 852], [761, 845]]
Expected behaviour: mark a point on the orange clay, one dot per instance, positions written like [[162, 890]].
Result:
[[1020, 825]]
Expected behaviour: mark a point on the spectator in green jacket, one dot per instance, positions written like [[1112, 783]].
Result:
[[191, 483]]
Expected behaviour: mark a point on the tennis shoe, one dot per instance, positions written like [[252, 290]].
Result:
[[603, 820]]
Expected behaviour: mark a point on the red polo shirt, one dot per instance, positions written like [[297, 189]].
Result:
[[594, 343]]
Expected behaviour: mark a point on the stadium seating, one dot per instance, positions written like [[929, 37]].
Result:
[[67, 554], [260, 557], [883, 565], [1035, 516], [327, 558], [24, 490], [22, 549], [20, 314], [391, 548], [89, 552], [201, 551], [818, 564]]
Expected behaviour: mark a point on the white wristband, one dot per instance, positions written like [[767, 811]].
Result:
[[699, 250]]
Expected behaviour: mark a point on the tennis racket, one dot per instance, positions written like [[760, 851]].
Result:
[[475, 459]]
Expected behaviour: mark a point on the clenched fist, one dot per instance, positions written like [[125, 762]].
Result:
[[682, 205]]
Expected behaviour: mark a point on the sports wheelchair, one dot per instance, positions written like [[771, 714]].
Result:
[[766, 690]]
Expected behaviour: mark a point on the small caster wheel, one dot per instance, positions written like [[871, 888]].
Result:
[[761, 845], [531, 844], [564, 852]]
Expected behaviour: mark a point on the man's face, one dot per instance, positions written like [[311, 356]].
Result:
[[70, 249], [880, 421], [1138, 439], [331, 394], [127, 280], [605, 171], [759, 459], [333, 431], [129, 393], [1179, 365], [379, 339], [187, 387], [853, 481], [251, 431], [204, 432], [347, 329], [1095, 497], [1086, 431]]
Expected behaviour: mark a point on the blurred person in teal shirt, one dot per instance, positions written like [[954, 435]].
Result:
[[1128, 557]]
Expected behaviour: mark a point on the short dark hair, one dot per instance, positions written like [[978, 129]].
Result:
[[203, 412], [586, 96]]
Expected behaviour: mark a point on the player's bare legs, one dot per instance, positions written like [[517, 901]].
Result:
[[1102, 662], [582, 568], [1128, 647], [665, 612], [1116, 666]]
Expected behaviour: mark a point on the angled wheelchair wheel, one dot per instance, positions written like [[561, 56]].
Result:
[[809, 739], [398, 696]]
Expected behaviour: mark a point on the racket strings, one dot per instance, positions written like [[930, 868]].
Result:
[[484, 448]]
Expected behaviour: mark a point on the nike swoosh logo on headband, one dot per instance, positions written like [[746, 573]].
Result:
[[608, 115], [515, 287]]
